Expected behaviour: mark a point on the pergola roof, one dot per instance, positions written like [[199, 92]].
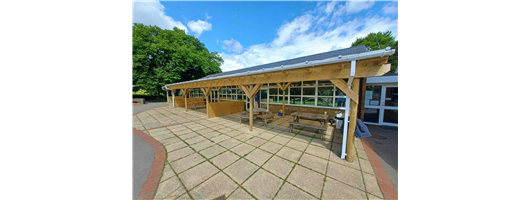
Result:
[[329, 65], [320, 56]]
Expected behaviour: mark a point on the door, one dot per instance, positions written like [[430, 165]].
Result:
[[389, 110], [381, 104]]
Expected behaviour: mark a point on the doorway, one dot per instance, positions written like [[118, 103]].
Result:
[[381, 104]]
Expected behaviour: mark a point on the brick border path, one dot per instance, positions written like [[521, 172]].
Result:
[[151, 183], [382, 177]]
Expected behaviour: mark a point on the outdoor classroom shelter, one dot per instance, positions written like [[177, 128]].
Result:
[[329, 82]]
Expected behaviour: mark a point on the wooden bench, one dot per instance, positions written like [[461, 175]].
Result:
[[267, 116], [196, 105], [321, 129], [244, 115], [139, 100]]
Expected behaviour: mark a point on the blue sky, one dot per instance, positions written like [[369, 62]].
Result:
[[253, 33]]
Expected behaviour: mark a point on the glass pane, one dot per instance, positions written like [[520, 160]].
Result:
[[280, 100], [239, 97], [296, 84], [295, 100], [229, 91], [273, 99], [309, 91], [310, 101], [263, 94], [325, 101], [390, 116], [339, 92], [391, 97], [340, 102], [373, 95], [239, 91], [273, 91], [325, 83], [371, 115], [309, 83], [325, 91], [295, 91]]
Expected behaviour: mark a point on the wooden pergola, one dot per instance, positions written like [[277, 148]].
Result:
[[336, 72]]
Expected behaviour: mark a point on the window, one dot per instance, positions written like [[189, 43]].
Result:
[[391, 97], [322, 93], [373, 95]]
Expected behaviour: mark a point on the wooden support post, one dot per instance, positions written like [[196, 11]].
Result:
[[353, 122], [283, 88], [283, 105], [218, 94], [207, 92], [251, 115], [185, 98], [167, 96], [250, 93], [173, 94]]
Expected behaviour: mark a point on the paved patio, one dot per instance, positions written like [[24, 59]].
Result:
[[208, 158]]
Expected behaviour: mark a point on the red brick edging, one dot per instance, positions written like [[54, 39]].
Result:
[[380, 174], [151, 183]]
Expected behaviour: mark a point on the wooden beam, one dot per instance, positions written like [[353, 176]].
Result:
[[364, 68], [353, 123], [342, 85], [286, 85], [245, 90], [255, 90]]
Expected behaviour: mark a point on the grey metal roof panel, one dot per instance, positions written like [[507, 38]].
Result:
[[320, 56]]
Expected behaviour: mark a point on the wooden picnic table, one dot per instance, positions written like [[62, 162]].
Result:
[[257, 111], [308, 116]]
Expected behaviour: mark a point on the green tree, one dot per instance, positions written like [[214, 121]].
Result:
[[162, 56], [381, 40]]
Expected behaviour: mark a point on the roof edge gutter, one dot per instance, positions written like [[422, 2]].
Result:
[[360, 56]]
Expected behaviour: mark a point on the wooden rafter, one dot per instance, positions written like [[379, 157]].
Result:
[[342, 85]]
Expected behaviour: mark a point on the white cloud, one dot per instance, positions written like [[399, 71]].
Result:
[[330, 6], [390, 9], [152, 13], [352, 7], [199, 26], [232, 45], [306, 35]]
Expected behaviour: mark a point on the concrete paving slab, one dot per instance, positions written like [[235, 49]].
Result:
[[345, 174], [212, 151], [243, 149], [216, 186], [289, 192], [271, 147], [279, 166], [224, 159], [314, 163], [240, 194], [289, 154], [337, 190], [258, 156], [197, 174], [263, 185], [241, 170], [187, 162], [306, 179]]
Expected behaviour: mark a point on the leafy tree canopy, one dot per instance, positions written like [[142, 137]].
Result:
[[381, 40], [162, 56]]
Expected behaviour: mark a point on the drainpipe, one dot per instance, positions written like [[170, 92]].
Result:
[[347, 113]]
